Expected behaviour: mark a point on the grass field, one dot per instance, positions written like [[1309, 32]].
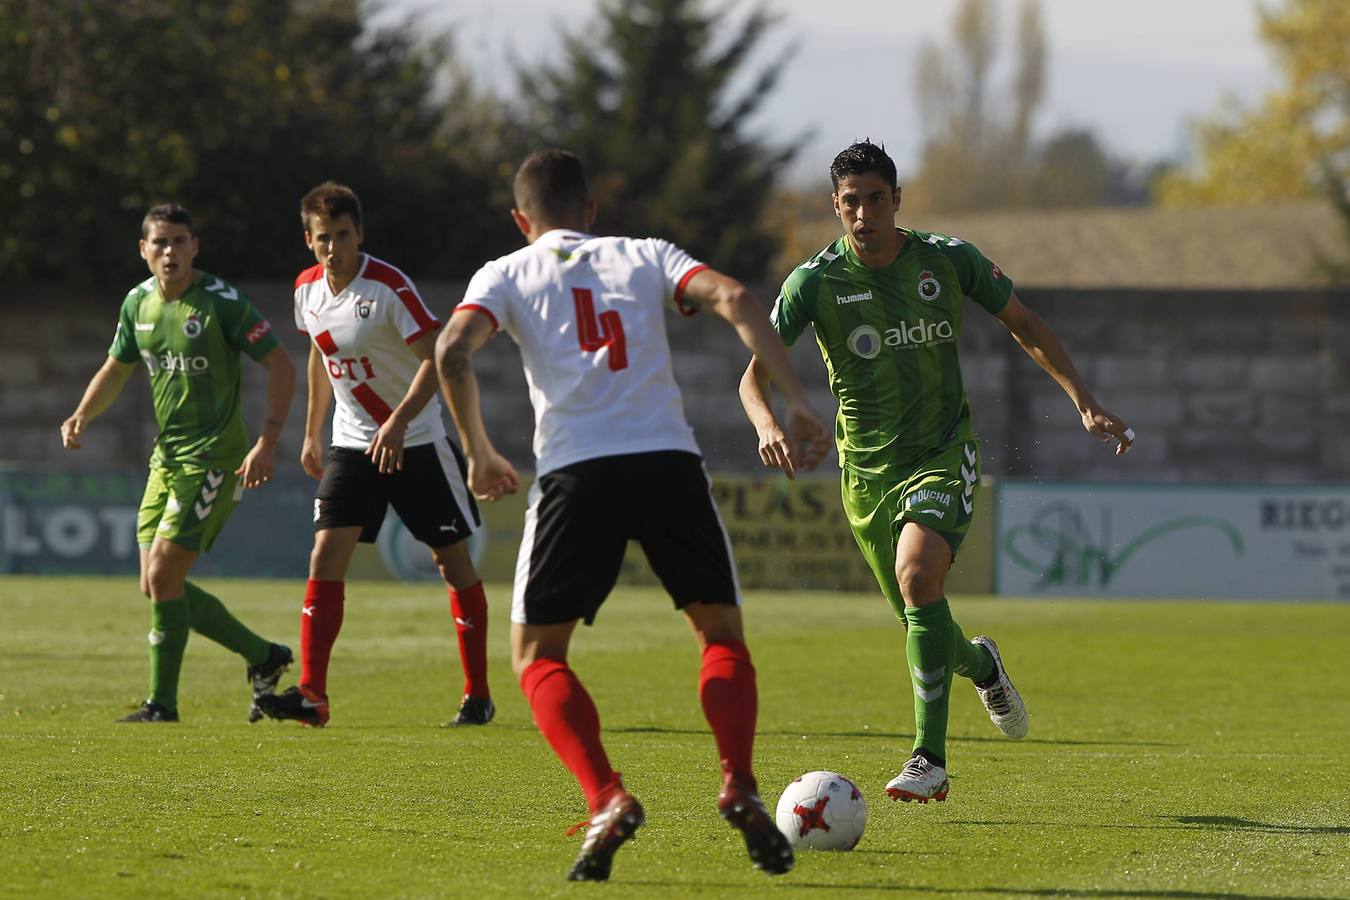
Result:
[[1192, 750]]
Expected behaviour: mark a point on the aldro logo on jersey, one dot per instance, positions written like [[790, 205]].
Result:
[[866, 341], [175, 362]]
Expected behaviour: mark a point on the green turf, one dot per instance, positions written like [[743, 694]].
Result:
[[1190, 750]]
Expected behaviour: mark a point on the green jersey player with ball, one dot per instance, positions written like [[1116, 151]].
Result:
[[886, 306]]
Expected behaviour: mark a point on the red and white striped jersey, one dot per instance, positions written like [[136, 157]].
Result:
[[363, 334], [589, 316]]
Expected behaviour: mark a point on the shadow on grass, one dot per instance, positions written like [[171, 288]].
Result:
[[1178, 823], [889, 735], [789, 883]]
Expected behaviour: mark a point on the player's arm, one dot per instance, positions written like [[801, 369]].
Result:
[[257, 466], [803, 444], [319, 397], [1041, 344], [491, 475], [103, 389], [386, 450]]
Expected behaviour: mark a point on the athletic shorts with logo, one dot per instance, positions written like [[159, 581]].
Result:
[[188, 505], [939, 493], [582, 516], [428, 493]]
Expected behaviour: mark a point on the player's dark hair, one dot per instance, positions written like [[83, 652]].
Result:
[[166, 212], [861, 158], [550, 185], [330, 200]]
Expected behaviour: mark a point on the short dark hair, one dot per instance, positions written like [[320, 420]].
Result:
[[330, 200], [166, 212], [551, 185], [860, 158]]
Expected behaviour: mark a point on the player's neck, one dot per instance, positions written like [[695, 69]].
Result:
[[174, 288], [339, 279], [882, 252]]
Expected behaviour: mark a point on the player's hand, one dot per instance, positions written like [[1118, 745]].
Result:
[[1106, 427], [492, 477], [257, 467], [386, 450], [311, 459], [70, 432], [810, 435]]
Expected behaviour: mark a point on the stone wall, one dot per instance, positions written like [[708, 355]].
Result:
[[1219, 386]]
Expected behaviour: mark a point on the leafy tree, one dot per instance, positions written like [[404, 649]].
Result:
[[1296, 143], [643, 96], [980, 152], [235, 109]]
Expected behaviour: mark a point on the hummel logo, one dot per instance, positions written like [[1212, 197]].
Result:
[[145, 326], [307, 611], [852, 298]]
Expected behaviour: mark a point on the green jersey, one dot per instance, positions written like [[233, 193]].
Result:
[[191, 348], [889, 337]]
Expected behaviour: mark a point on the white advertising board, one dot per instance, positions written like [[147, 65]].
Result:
[[1213, 541]]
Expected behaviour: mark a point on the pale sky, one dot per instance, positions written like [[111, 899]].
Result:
[[1133, 72]]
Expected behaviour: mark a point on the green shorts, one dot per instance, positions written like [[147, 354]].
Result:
[[939, 493], [188, 505]]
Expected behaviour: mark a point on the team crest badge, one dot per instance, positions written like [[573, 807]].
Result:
[[192, 326], [363, 308], [929, 287]]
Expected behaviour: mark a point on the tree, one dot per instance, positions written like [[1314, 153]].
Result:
[[643, 97], [234, 109], [1296, 143], [980, 151]]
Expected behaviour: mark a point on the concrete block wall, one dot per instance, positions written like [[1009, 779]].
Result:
[[1220, 386]]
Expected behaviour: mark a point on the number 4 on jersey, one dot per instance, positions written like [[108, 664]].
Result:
[[594, 335]]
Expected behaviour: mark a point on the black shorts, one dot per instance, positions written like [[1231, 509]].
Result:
[[428, 494], [582, 516]]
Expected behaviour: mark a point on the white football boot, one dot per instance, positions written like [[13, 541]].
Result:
[[1001, 700], [919, 780]]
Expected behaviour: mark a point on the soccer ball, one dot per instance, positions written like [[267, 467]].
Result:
[[822, 811]]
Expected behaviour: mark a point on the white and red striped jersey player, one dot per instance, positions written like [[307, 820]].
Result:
[[588, 315], [363, 334]]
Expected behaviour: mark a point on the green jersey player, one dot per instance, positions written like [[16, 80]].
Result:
[[189, 328], [886, 306]]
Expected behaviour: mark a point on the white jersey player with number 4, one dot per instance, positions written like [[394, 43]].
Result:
[[363, 332], [616, 461], [589, 316]]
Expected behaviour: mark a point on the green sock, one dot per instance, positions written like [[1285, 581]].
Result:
[[169, 621], [931, 652], [972, 660], [212, 620]]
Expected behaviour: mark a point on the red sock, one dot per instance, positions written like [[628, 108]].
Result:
[[726, 686], [568, 719], [320, 622], [469, 607]]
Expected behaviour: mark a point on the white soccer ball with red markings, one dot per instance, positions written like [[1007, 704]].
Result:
[[822, 811]]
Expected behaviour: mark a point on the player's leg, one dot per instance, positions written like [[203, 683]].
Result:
[[571, 549], [687, 545], [430, 496]]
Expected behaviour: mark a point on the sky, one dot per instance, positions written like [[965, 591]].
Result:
[[1135, 73]]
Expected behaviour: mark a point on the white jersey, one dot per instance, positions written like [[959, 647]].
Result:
[[589, 316], [363, 334]]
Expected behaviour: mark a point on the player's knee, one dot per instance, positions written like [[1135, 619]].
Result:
[[920, 581]]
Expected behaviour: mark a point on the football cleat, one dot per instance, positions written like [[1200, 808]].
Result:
[[264, 676], [299, 703], [151, 711], [920, 780], [739, 804], [473, 711], [1001, 700], [607, 831]]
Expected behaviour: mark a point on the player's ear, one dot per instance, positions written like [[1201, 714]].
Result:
[[360, 235], [590, 212], [897, 198], [522, 221], [141, 246]]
